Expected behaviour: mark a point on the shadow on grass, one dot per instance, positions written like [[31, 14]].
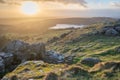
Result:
[[106, 53]]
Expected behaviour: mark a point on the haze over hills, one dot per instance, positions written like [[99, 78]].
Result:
[[41, 25]]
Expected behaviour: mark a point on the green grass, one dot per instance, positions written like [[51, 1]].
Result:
[[99, 46]]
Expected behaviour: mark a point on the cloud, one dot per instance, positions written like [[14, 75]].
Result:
[[79, 2], [115, 4], [2, 1]]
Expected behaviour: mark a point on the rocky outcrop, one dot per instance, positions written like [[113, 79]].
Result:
[[31, 70], [16, 46], [2, 65], [110, 30], [7, 58], [53, 57], [24, 51], [90, 61], [39, 49], [16, 52]]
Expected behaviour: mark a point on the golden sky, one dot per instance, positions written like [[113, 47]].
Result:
[[70, 8]]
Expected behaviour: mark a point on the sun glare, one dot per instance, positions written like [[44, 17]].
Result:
[[29, 8]]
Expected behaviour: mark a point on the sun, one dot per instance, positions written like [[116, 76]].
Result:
[[29, 8]]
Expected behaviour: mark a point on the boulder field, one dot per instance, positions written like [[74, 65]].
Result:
[[109, 30], [17, 52]]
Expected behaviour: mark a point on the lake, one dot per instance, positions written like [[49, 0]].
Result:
[[67, 26]]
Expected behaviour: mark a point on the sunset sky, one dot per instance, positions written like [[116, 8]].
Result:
[[63, 8]]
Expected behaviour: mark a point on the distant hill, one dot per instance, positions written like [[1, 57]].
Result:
[[40, 25]]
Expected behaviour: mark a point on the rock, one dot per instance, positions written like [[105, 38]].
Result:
[[51, 76], [31, 70], [7, 57], [2, 66], [39, 49], [53, 57], [15, 46], [111, 32], [6, 62], [104, 29], [117, 28], [90, 61], [31, 62], [24, 51]]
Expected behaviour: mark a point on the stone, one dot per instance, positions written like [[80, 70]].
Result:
[[31, 62], [53, 57], [117, 28], [90, 61], [39, 49], [104, 29], [15, 46], [111, 32], [2, 66], [24, 51], [7, 57]]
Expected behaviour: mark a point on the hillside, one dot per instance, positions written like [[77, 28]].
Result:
[[96, 55]]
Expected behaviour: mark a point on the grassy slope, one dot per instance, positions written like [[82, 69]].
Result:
[[90, 45]]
